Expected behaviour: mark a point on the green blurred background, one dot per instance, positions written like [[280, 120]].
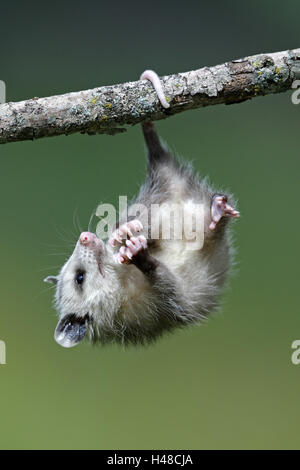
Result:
[[227, 384]]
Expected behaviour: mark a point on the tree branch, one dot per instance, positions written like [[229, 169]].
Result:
[[105, 109]]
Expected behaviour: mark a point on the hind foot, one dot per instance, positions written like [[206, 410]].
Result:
[[133, 247], [220, 208], [124, 232]]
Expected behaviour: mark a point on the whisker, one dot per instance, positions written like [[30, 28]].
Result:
[[48, 268], [75, 221], [66, 234], [55, 254], [91, 219], [79, 224], [43, 291], [50, 245]]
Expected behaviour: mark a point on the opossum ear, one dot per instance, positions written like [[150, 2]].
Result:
[[51, 279], [71, 329]]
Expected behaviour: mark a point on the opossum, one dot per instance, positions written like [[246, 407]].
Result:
[[133, 287]]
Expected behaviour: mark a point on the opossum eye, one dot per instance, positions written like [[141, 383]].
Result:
[[79, 278]]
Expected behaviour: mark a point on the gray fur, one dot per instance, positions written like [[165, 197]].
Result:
[[131, 304]]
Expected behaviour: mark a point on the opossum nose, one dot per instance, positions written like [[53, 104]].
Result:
[[86, 238]]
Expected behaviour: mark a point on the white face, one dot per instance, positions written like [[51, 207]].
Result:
[[78, 290]]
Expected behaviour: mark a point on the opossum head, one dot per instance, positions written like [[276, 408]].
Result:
[[79, 288]]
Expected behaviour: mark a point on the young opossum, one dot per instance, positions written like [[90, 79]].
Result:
[[135, 287]]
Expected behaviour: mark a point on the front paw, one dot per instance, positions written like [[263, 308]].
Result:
[[131, 245], [132, 248], [124, 232]]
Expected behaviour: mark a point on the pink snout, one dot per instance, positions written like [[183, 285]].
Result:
[[88, 239], [95, 245]]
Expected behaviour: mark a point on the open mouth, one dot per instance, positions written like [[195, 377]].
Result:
[[71, 330]]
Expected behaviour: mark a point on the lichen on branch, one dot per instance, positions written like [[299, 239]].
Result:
[[107, 109]]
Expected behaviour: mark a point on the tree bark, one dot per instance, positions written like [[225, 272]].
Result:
[[108, 108]]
